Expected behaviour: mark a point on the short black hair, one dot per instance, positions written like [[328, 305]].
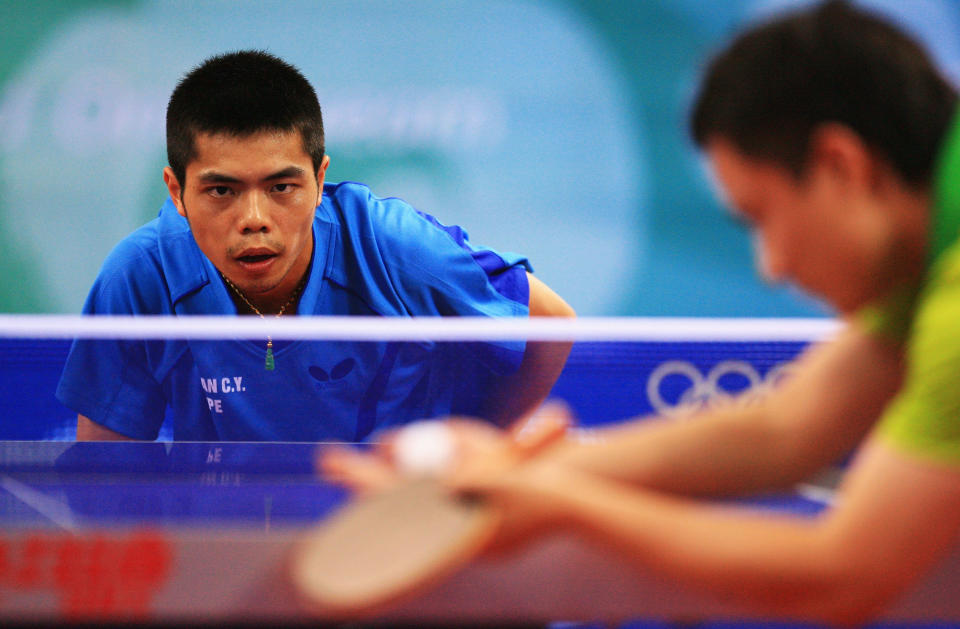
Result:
[[769, 90], [241, 93]]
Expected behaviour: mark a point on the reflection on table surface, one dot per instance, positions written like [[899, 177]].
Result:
[[95, 484]]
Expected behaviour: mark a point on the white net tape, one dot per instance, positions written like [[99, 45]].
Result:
[[418, 328]]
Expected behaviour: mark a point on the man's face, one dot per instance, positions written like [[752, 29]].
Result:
[[250, 202], [824, 231]]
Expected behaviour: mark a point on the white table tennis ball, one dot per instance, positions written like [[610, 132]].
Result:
[[425, 448]]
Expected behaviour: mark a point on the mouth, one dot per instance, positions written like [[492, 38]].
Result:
[[255, 254], [251, 259], [255, 259]]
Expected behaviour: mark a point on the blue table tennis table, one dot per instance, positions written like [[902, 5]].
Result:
[[155, 532], [164, 532]]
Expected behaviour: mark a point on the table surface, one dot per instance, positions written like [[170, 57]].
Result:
[[254, 486], [217, 521], [246, 486]]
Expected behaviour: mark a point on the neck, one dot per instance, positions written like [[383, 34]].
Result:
[[901, 245], [285, 304], [915, 213]]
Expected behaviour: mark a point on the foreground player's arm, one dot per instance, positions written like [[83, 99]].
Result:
[[519, 393], [895, 515], [89, 430], [822, 411], [834, 394]]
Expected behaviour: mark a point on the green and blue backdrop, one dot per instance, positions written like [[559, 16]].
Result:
[[556, 128]]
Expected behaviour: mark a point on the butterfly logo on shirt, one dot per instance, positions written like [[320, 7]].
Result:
[[339, 371]]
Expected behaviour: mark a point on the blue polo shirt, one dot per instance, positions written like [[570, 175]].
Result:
[[372, 256]]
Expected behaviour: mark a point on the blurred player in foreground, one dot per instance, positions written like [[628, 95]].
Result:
[[251, 228], [834, 137]]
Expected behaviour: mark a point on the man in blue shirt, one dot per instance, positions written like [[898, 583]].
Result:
[[251, 228]]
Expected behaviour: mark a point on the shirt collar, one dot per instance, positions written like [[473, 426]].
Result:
[[185, 268], [190, 274]]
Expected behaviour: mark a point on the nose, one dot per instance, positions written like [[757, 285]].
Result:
[[254, 214], [769, 258]]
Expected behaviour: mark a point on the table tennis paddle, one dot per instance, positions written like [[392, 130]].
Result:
[[385, 546]]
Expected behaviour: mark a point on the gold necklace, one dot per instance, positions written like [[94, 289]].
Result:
[[268, 360]]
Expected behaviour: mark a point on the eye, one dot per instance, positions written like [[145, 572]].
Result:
[[218, 191], [283, 187]]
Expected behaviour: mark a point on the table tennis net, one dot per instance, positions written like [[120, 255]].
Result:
[[617, 368]]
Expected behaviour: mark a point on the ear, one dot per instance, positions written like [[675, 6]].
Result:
[[840, 153], [321, 175], [173, 187]]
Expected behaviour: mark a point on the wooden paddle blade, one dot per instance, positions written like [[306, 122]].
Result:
[[384, 546]]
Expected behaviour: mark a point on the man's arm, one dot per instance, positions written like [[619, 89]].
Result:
[[834, 394], [519, 393], [88, 430]]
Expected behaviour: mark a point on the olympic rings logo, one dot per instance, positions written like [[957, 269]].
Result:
[[698, 391]]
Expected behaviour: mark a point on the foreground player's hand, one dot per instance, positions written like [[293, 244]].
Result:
[[518, 477], [357, 470], [434, 448], [439, 448]]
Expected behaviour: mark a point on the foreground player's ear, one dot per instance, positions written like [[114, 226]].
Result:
[[173, 187], [841, 153]]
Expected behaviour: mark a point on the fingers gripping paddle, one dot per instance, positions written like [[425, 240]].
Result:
[[384, 546]]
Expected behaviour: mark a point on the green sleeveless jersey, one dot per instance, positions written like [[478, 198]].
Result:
[[924, 417]]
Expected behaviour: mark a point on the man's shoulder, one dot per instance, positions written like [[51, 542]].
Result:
[[140, 247], [134, 274], [355, 204], [388, 225]]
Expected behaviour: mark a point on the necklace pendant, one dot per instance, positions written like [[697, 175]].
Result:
[[268, 364]]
